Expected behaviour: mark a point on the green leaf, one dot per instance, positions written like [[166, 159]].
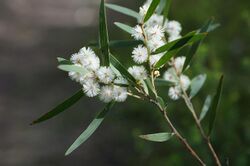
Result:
[[157, 137], [166, 57], [61, 107], [103, 35], [160, 7], [149, 84], [124, 27], [196, 84], [166, 9], [123, 10], [207, 27], [214, 106], [145, 87], [90, 129], [63, 61], [175, 48], [151, 10], [161, 102], [73, 68], [163, 82], [119, 43], [188, 38], [124, 72], [213, 27], [205, 108]]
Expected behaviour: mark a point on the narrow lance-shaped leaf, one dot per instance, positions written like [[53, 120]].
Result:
[[176, 48], [161, 102], [124, 72], [160, 7], [145, 87], [166, 9], [73, 68], [123, 10], [124, 27], [205, 108], [166, 57], [157, 137], [61, 107], [151, 9], [150, 85], [214, 106], [176, 43], [207, 27], [103, 35], [63, 61], [163, 82], [213, 27], [196, 84], [90, 129]]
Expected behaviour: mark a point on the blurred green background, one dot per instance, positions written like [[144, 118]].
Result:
[[34, 33]]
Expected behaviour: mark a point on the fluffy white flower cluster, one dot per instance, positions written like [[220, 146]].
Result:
[[99, 80], [174, 75], [172, 28], [153, 34]]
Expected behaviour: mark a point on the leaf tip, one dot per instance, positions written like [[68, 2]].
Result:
[[67, 153]]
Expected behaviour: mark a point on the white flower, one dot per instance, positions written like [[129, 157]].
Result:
[[155, 43], [86, 51], [140, 54], [153, 59], [185, 82], [173, 28], [91, 88], [142, 11], [88, 76], [75, 76], [87, 58], [105, 74], [155, 19], [120, 93], [76, 58], [90, 60], [106, 94], [174, 93], [173, 37], [138, 72], [155, 32], [178, 63], [137, 33], [121, 80], [170, 75]]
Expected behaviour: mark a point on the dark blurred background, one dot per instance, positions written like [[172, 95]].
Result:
[[33, 33]]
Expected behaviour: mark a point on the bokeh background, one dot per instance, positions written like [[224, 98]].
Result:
[[33, 33]]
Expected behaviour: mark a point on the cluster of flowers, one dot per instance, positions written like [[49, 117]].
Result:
[[102, 81], [152, 33], [175, 75], [99, 80]]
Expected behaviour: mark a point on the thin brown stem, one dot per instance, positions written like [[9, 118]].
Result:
[[198, 124], [180, 138]]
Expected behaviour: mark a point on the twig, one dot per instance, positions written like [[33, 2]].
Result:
[[179, 136], [198, 124]]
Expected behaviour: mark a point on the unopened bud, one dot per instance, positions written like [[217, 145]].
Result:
[[157, 73]]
